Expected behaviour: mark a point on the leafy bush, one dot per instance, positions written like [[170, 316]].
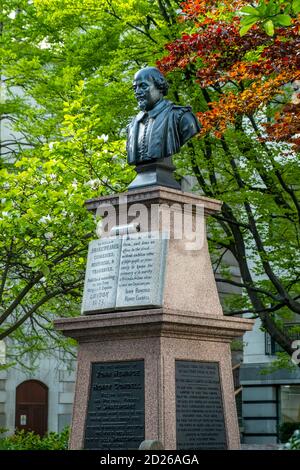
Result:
[[286, 430], [294, 442], [23, 440]]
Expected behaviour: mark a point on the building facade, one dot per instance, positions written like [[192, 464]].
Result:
[[40, 400], [270, 401]]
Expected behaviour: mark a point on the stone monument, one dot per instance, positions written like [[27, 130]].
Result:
[[157, 132], [154, 360]]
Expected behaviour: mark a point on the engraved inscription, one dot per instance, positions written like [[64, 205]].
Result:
[[116, 408], [199, 408], [125, 273], [141, 274], [101, 275]]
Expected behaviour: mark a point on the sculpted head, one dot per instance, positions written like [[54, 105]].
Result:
[[150, 86]]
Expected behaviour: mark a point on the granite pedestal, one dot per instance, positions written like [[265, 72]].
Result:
[[161, 372]]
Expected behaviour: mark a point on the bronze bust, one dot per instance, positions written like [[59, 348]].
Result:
[[158, 131], [161, 127]]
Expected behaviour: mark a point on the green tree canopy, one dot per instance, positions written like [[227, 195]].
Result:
[[67, 67], [66, 98], [246, 81]]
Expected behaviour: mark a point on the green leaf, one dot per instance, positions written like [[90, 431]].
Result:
[[263, 7], [269, 27], [271, 8], [296, 6], [250, 10], [45, 270], [249, 20], [245, 28], [283, 20]]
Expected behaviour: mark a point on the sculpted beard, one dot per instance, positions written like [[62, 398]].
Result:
[[142, 102]]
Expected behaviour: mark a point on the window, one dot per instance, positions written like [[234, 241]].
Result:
[[272, 347], [2, 352], [290, 403]]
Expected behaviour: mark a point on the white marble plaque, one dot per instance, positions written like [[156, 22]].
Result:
[[100, 286], [142, 271]]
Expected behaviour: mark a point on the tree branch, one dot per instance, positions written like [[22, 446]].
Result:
[[248, 286], [33, 309], [295, 306], [265, 310], [114, 15], [220, 260], [283, 184], [6, 269]]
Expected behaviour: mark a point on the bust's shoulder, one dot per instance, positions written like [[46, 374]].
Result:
[[166, 106], [186, 121], [182, 109], [182, 112]]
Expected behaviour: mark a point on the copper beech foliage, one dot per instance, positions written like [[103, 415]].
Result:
[[247, 71]]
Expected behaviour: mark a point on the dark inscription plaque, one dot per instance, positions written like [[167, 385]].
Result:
[[199, 408], [116, 408]]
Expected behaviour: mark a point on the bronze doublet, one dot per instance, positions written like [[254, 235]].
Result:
[[160, 132]]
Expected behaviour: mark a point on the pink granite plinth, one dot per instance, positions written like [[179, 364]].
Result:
[[158, 337], [189, 326], [189, 283]]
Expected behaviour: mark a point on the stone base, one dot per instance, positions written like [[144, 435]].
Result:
[[189, 283], [156, 173], [158, 337], [178, 373]]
